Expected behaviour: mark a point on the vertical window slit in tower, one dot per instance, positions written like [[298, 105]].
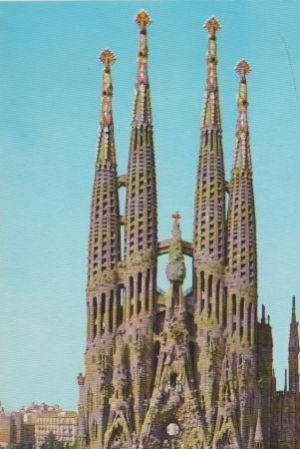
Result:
[[218, 301], [205, 138], [139, 290], [94, 317], [102, 313], [202, 288], [225, 307], [242, 305], [233, 304], [147, 290], [210, 280], [111, 307], [120, 304], [202, 281], [249, 322], [131, 293]]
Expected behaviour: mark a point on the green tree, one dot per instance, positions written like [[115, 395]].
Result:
[[51, 442], [17, 446]]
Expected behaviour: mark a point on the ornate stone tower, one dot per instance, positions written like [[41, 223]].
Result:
[[209, 240], [103, 305], [179, 370], [240, 292]]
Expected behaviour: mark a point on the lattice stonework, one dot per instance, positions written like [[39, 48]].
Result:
[[241, 246], [140, 216], [104, 241], [209, 227]]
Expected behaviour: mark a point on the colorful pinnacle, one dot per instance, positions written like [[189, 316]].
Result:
[[107, 57], [143, 19], [212, 25], [243, 68], [176, 216]]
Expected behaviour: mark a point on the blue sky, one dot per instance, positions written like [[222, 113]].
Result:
[[50, 101]]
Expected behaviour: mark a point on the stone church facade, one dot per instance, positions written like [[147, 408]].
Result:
[[178, 370]]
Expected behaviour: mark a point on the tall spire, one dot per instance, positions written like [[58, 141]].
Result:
[[241, 269], [142, 105], [106, 148], [104, 239], [242, 156], [209, 220], [211, 114], [241, 252], [294, 351], [141, 208], [103, 305]]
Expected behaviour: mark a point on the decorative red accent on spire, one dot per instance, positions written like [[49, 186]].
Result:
[[107, 58], [209, 226], [104, 241], [211, 116], [242, 157], [241, 228], [143, 19], [243, 68], [141, 209], [212, 25]]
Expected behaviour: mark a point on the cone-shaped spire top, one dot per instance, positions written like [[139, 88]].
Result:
[[242, 157], [294, 350], [209, 222], [241, 243], [211, 114], [106, 149], [142, 106], [141, 208], [104, 245], [212, 25]]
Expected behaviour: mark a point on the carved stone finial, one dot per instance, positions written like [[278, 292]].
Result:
[[143, 19], [212, 25], [107, 57], [243, 68], [176, 216]]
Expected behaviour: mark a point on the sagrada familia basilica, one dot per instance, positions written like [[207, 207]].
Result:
[[179, 370]]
